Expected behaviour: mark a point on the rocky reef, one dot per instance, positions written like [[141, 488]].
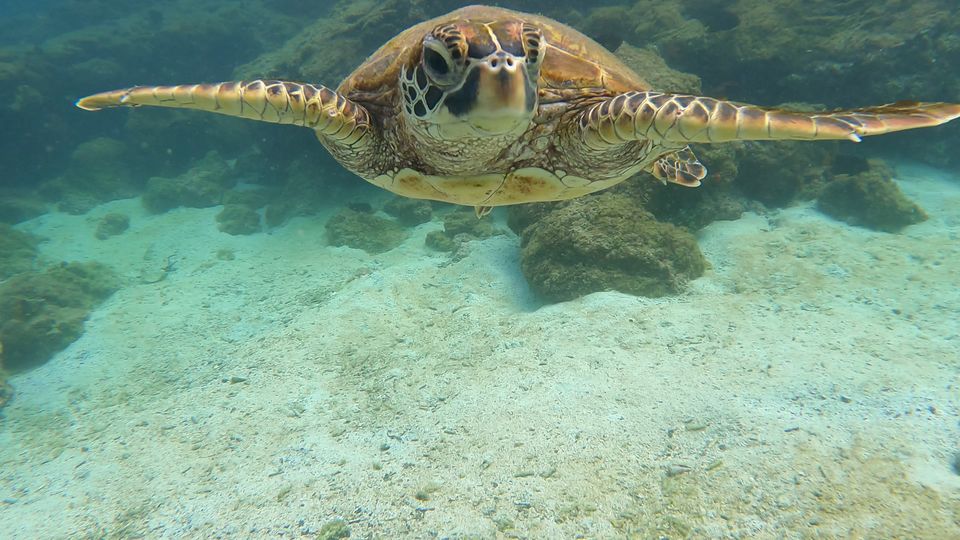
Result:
[[112, 224], [459, 226], [41, 312], [18, 250], [409, 212], [364, 230], [202, 186], [607, 242], [869, 198], [237, 219]]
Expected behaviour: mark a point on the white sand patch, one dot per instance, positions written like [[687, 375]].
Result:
[[808, 385]]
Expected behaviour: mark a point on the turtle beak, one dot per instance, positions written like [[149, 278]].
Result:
[[504, 95]]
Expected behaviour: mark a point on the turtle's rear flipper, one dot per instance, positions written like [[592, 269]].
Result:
[[681, 118], [680, 167], [333, 116]]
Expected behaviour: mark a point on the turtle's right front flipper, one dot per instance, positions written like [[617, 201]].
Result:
[[335, 118], [676, 119]]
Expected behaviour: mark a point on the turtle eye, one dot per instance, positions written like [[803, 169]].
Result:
[[435, 63]]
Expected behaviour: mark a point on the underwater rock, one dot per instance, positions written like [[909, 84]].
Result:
[[460, 226], [99, 171], [251, 198], [237, 219], [6, 391], [239, 215], [694, 210], [303, 193], [15, 209], [779, 173], [111, 225], [277, 213], [103, 159], [654, 69], [202, 186], [164, 194], [439, 241], [360, 230], [603, 243], [869, 199], [664, 24], [521, 216], [409, 212], [715, 200], [609, 25], [43, 312], [465, 221], [18, 250], [328, 48], [361, 206]]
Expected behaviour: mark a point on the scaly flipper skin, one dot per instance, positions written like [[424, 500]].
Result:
[[334, 117], [674, 118], [680, 167]]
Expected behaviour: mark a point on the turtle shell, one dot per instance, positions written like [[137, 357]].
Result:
[[573, 64]]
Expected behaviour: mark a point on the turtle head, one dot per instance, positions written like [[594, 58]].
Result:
[[475, 79]]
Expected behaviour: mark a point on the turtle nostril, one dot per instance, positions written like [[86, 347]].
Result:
[[494, 62], [509, 62]]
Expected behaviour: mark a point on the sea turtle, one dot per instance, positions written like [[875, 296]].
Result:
[[489, 107]]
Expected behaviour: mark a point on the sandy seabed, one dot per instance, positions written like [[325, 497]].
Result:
[[807, 387]]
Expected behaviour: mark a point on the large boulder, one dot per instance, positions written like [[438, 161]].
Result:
[[364, 230], [869, 199], [607, 242], [18, 250], [43, 312]]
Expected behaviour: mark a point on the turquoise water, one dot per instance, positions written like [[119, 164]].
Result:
[[209, 328]]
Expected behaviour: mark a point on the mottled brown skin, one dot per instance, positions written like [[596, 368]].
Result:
[[528, 110]]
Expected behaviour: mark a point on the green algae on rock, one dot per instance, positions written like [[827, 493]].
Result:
[[460, 226], [238, 219], [99, 170], [112, 224], [607, 243], [869, 199], [43, 312], [302, 193], [656, 72], [6, 392], [693, 209], [361, 230], [251, 198], [202, 186], [409, 212], [779, 173], [18, 250], [15, 208]]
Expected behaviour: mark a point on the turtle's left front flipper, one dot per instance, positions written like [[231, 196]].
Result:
[[334, 117], [675, 119]]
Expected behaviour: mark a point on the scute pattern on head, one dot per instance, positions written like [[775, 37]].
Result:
[[572, 61]]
